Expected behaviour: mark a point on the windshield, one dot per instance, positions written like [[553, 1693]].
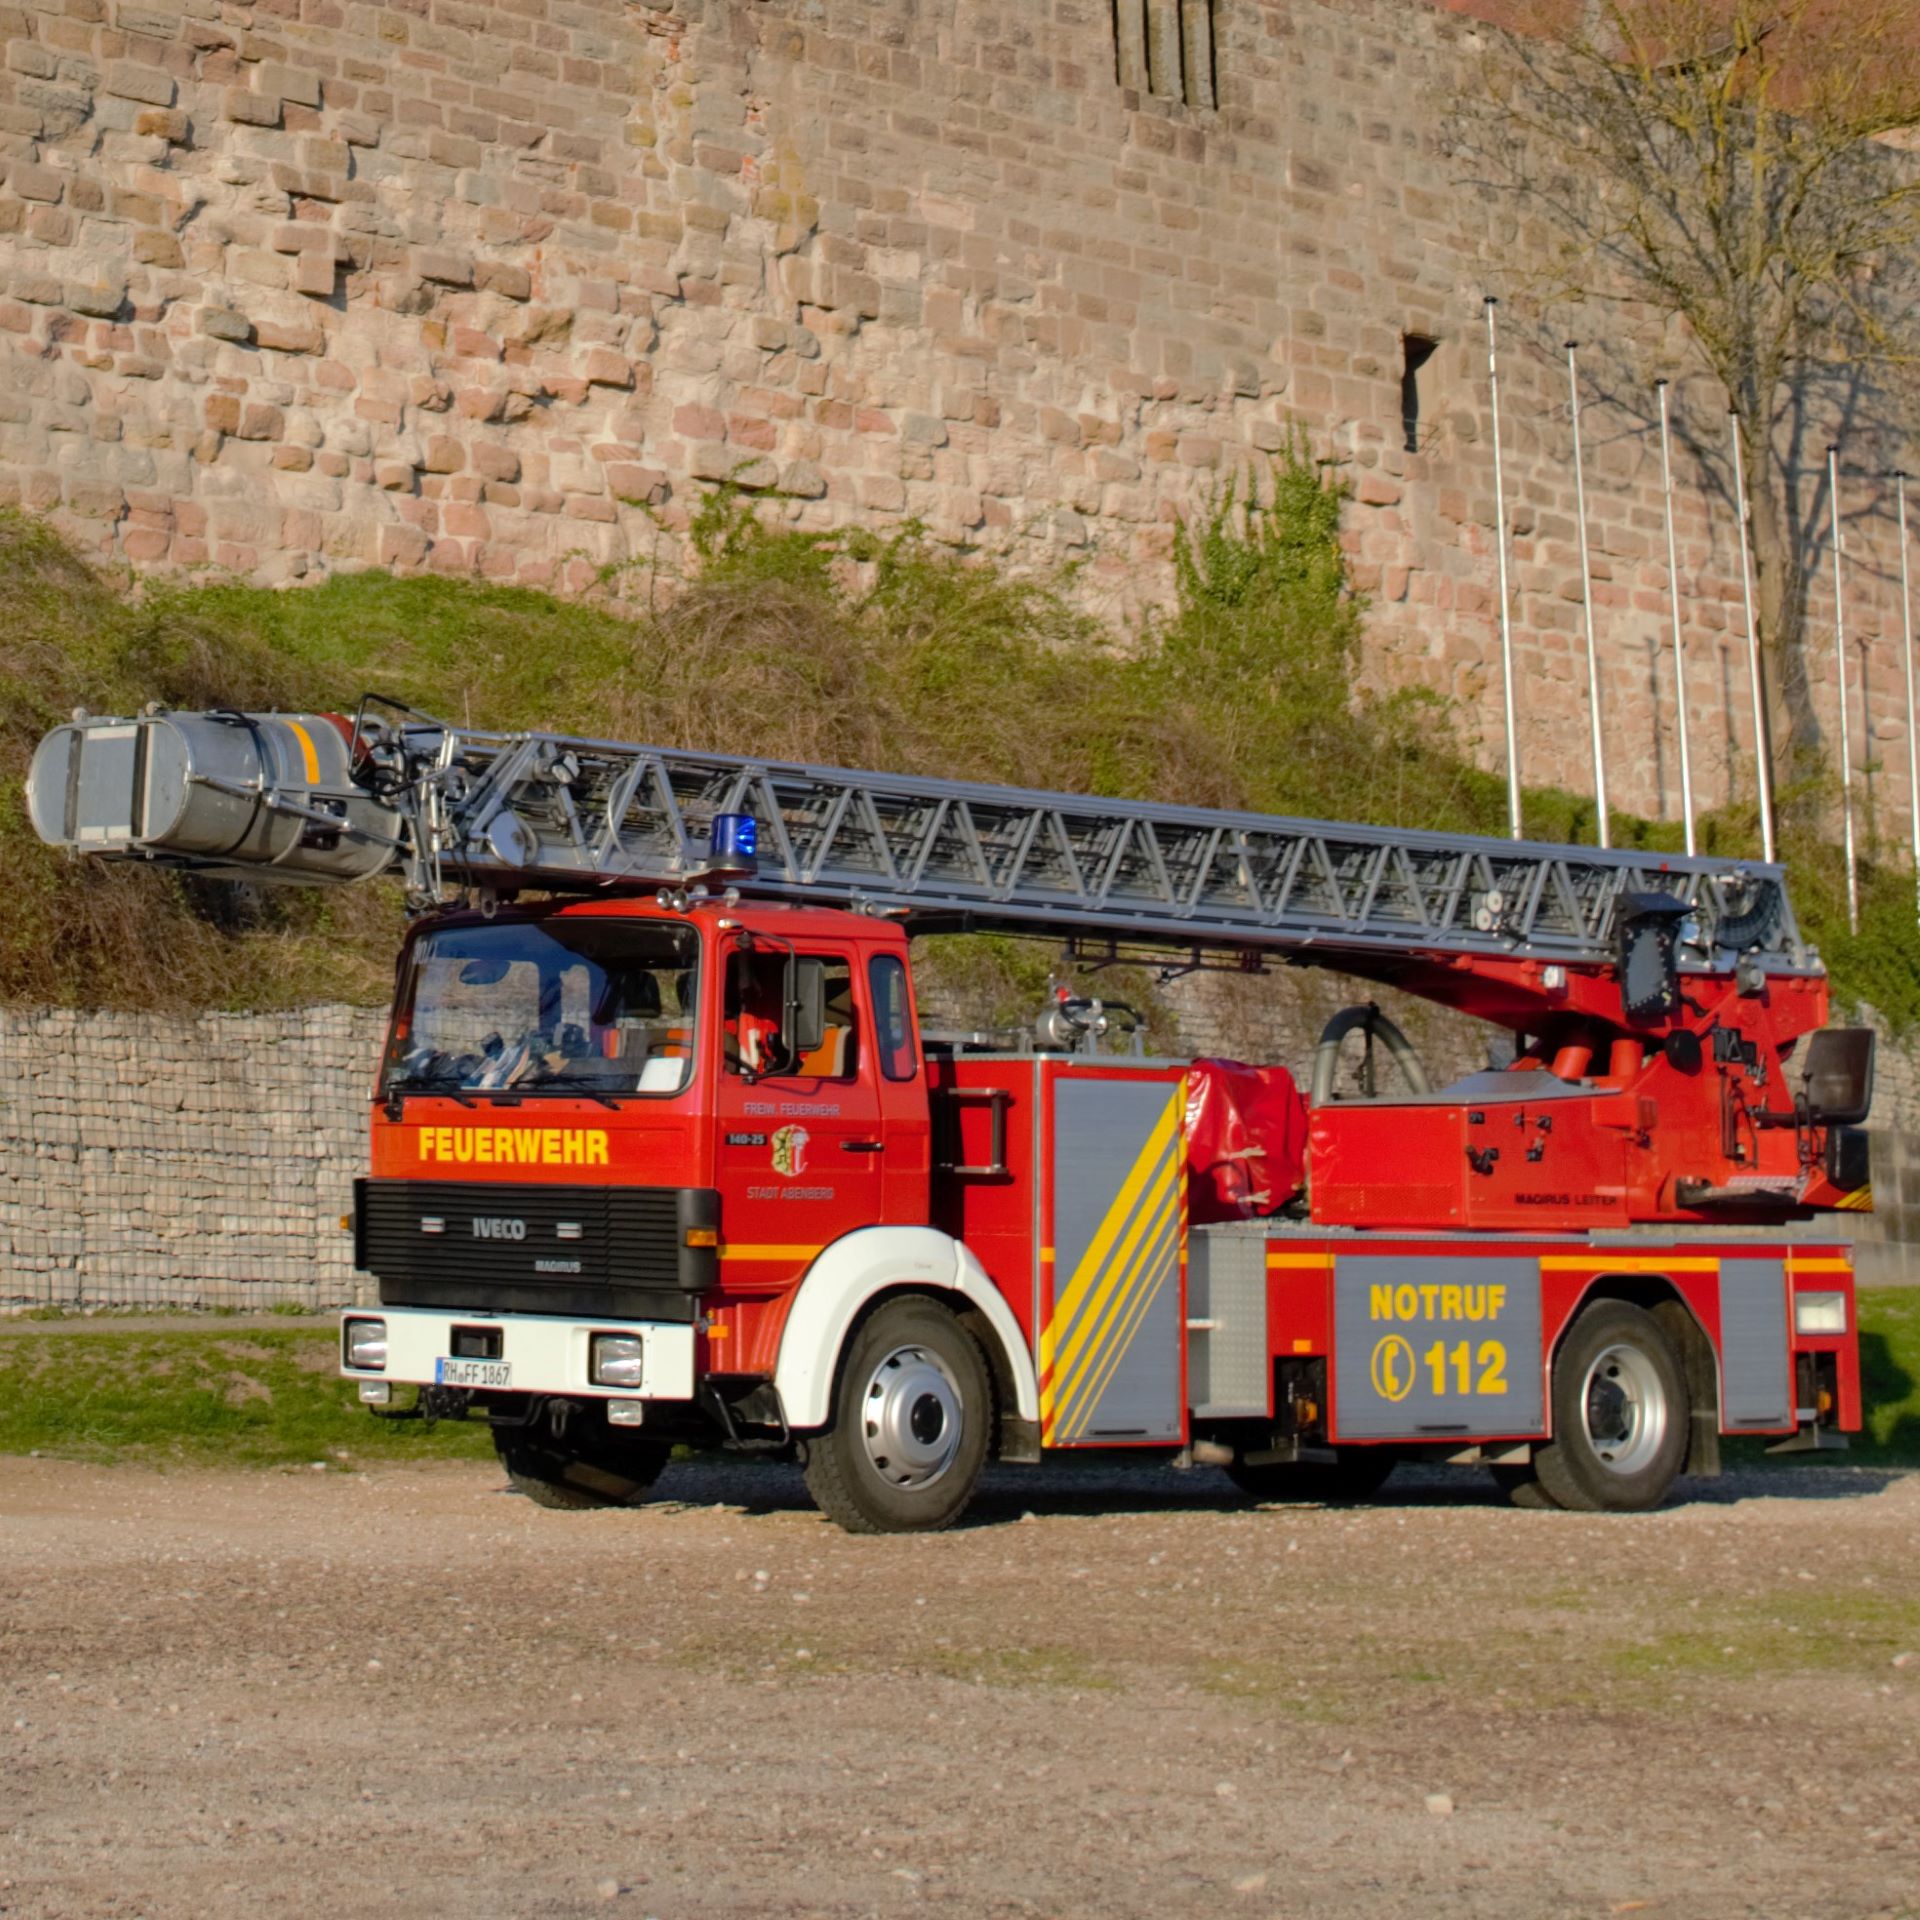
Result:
[[594, 1007]]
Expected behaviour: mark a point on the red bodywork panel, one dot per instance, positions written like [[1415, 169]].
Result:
[[1597, 1124], [780, 1203], [1068, 1178]]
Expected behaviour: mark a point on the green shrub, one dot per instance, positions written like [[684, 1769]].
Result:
[[844, 648]]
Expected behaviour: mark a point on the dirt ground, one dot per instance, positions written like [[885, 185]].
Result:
[[408, 1690]]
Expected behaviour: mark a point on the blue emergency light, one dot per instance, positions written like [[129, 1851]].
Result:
[[734, 843]]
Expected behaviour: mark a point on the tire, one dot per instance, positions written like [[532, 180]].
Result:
[[1620, 1417], [1356, 1475], [567, 1482], [912, 1414]]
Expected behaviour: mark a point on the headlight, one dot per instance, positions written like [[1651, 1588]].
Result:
[[615, 1360], [1819, 1313], [366, 1343]]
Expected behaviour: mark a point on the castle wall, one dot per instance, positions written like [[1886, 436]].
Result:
[[490, 287]]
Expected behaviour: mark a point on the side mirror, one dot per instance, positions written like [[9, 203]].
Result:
[[804, 1023], [1838, 1075]]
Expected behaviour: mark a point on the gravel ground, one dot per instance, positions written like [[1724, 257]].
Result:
[[406, 1690]]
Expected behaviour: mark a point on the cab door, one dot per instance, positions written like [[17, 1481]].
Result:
[[800, 1146], [907, 1156]]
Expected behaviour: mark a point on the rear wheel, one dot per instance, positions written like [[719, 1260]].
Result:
[[911, 1416], [1355, 1474], [1620, 1417], [551, 1475]]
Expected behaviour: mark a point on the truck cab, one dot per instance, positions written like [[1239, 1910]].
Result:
[[609, 1140]]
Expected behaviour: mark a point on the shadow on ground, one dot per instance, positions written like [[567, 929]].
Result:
[[1008, 1494]]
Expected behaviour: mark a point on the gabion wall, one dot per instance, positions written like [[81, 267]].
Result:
[[181, 1162], [207, 1162]]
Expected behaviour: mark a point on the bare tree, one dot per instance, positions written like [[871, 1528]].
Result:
[[1737, 165]]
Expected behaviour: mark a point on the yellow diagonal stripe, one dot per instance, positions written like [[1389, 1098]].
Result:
[[1073, 1347], [1093, 1262], [1087, 1397], [308, 757], [1156, 1217], [1079, 1420]]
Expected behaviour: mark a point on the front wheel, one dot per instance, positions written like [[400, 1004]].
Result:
[[911, 1416], [1620, 1417]]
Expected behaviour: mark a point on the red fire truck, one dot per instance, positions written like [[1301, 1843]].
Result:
[[661, 1151]]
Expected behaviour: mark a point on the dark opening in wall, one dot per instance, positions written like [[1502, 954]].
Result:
[[1416, 350], [1166, 48]]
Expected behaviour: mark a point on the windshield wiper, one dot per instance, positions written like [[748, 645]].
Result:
[[407, 1083]]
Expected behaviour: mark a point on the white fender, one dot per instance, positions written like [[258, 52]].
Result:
[[850, 1273]]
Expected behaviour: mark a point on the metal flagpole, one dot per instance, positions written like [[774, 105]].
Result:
[[1913, 731], [1586, 597], [1506, 614], [1673, 598], [1761, 755], [1840, 661]]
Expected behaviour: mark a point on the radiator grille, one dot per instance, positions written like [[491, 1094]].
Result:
[[531, 1249]]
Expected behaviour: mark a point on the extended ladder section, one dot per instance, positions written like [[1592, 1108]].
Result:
[[316, 798]]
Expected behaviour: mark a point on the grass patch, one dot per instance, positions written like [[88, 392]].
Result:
[[202, 1396], [1786, 1633], [1889, 1376], [1018, 1667], [844, 648]]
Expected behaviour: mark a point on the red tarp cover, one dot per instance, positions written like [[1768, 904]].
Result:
[[1246, 1140]]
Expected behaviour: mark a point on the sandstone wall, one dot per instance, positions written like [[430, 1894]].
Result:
[[491, 286]]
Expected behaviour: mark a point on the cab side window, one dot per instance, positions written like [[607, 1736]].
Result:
[[750, 1020], [838, 1055], [892, 1020], [752, 1016]]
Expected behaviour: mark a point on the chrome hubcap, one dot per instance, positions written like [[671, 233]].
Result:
[[910, 1418], [1626, 1410]]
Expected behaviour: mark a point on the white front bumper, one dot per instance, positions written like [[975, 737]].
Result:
[[545, 1355]]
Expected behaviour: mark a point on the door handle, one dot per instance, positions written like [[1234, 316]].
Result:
[[863, 1146]]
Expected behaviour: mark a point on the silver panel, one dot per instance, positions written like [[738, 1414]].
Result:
[[1756, 1377], [1437, 1347], [1228, 1362], [1113, 1341]]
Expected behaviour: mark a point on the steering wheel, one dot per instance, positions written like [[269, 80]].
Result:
[[504, 1070]]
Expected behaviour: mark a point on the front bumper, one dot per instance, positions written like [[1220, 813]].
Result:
[[544, 1354]]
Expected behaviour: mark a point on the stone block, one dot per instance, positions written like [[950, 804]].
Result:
[[315, 273], [249, 109], [499, 276], [127, 80], [402, 546], [443, 266], [222, 323], [289, 336], [290, 83], [30, 182], [495, 463], [163, 123], [103, 302]]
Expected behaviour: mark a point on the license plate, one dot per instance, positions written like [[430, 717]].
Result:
[[473, 1373]]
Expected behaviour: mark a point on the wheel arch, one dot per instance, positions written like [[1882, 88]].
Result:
[[859, 1273], [1656, 1294]]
